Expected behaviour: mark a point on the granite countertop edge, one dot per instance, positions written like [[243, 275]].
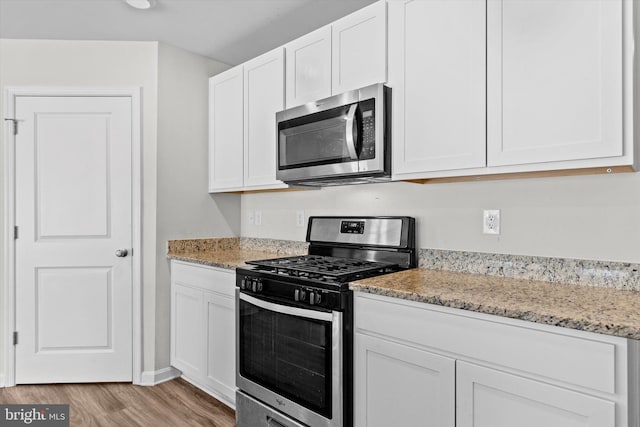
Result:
[[209, 263]]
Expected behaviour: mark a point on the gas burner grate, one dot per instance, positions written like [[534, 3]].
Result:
[[323, 267]]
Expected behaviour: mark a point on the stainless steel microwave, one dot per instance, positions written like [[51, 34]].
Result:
[[343, 139]]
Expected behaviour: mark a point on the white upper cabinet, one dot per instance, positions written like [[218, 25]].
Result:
[[263, 97], [225, 131], [555, 80], [359, 55], [308, 67], [437, 72]]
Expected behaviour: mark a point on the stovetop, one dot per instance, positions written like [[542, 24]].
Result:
[[341, 250], [324, 268]]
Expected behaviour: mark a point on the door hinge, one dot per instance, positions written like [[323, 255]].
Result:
[[15, 125], [15, 232], [15, 338]]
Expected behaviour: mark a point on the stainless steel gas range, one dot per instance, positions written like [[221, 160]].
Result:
[[294, 321]]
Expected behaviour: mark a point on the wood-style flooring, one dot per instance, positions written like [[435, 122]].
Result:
[[173, 403]]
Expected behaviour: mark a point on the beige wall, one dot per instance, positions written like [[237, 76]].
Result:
[[174, 128], [590, 217], [185, 209]]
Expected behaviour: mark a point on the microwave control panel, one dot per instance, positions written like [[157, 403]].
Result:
[[368, 109]]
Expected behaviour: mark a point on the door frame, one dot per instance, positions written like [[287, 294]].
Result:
[[9, 291]]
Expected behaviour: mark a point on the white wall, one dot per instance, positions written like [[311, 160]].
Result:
[[185, 209], [173, 127], [588, 217]]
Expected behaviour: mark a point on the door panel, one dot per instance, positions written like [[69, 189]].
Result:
[[359, 49], [263, 97], [308, 68], [401, 385], [73, 207], [490, 398], [554, 80], [226, 130], [221, 343], [437, 69], [57, 326]]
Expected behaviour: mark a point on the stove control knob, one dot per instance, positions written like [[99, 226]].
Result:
[[256, 285], [243, 283], [314, 298], [299, 295]]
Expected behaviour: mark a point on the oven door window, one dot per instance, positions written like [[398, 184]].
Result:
[[327, 137], [289, 355]]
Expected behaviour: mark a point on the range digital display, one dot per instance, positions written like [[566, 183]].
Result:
[[352, 227]]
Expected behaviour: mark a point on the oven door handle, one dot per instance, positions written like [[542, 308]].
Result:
[[285, 309]]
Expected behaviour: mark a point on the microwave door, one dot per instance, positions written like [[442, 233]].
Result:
[[318, 145]]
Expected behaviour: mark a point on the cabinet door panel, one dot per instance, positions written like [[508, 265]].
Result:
[[308, 67], [225, 130], [359, 53], [437, 74], [490, 398], [402, 386], [263, 97], [221, 347], [554, 80], [187, 335]]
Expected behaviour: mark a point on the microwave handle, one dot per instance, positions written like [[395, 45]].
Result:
[[351, 144]]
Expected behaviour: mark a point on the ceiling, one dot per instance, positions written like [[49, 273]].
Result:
[[230, 31]]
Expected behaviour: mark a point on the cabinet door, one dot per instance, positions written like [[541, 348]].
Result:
[[490, 398], [359, 54], [554, 80], [308, 67], [437, 75], [221, 344], [187, 333], [397, 385], [225, 130], [263, 97]]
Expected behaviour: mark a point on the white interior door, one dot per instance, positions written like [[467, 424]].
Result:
[[74, 210]]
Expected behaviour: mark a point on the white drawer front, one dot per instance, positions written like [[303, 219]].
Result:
[[586, 362], [202, 276]]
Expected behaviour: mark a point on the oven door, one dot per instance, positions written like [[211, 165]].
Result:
[[291, 358]]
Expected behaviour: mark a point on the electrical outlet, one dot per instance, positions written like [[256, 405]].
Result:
[[258, 215], [299, 218], [250, 218], [491, 221]]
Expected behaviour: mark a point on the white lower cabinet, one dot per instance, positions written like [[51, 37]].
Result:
[[402, 386], [203, 327], [490, 398], [418, 364], [221, 343]]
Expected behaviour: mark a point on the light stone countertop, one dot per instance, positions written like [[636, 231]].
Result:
[[603, 310], [231, 252], [229, 259], [594, 309]]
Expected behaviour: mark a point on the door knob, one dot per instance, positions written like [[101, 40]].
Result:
[[122, 253]]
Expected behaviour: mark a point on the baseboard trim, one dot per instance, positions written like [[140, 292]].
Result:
[[151, 378]]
